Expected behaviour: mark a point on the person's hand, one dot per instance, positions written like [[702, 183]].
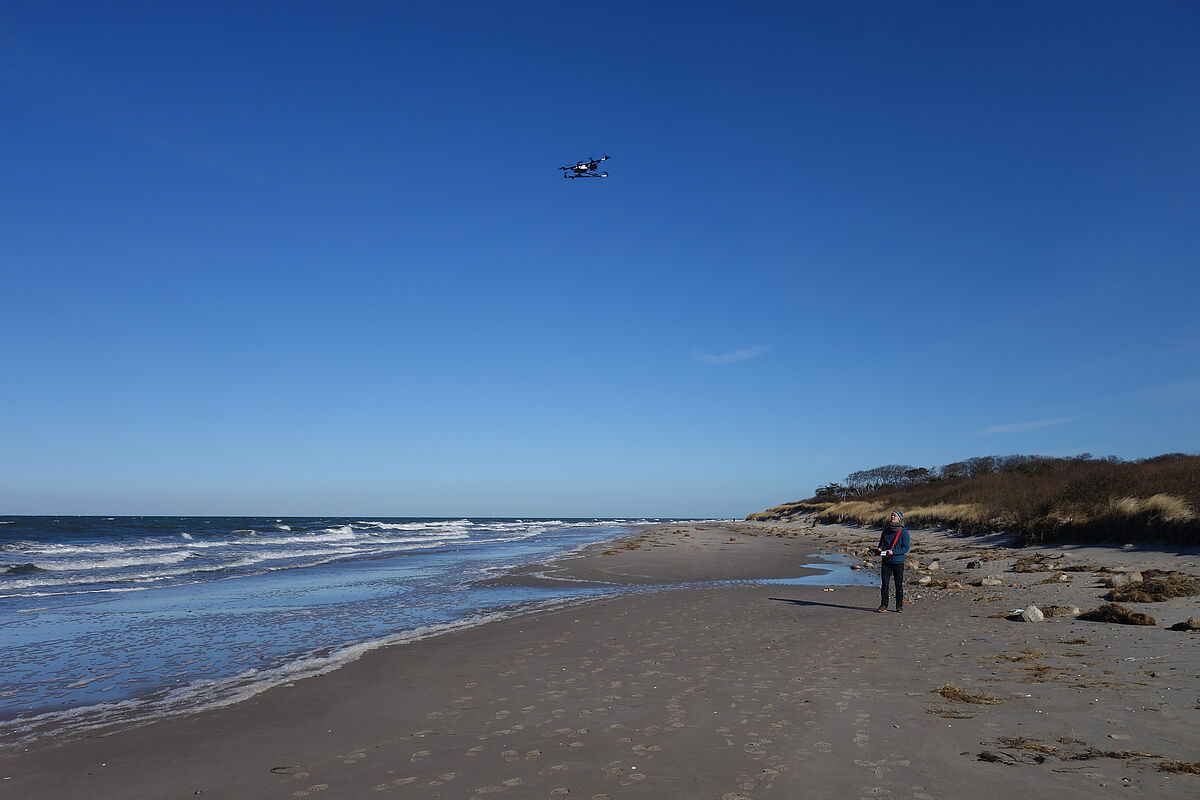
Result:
[[885, 552]]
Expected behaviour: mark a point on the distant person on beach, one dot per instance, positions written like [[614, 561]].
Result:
[[893, 544]]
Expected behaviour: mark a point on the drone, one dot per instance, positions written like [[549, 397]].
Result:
[[585, 169]]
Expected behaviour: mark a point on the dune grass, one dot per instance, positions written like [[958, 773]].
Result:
[[1079, 499]]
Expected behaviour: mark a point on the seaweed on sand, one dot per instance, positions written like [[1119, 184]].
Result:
[[1060, 611], [961, 695], [1180, 767], [1083, 754], [1035, 563], [948, 713], [1192, 624], [1157, 587], [1027, 654], [1121, 615]]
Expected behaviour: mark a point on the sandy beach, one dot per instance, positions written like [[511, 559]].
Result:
[[738, 691]]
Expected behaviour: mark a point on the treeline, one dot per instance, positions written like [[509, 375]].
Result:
[[893, 475], [1083, 498]]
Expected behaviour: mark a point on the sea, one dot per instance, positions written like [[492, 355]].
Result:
[[115, 621]]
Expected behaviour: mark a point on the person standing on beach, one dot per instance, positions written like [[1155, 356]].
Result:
[[893, 544]]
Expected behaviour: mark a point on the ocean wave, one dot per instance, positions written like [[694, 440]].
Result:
[[299, 559], [416, 526], [115, 563], [22, 569], [78, 591]]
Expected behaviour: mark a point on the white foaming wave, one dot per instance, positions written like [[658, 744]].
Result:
[[375, 541], [341, 534], [125, 577], [163, 575], [279, 555], [77, 591], [345, 531], [331, 552], [202, 695], [337, 534], [417, 526], [114, 563], [35, 549], [284, 527]]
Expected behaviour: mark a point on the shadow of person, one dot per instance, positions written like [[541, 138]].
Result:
[[815, 603]]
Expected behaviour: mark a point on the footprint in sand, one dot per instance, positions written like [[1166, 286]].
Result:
[[554, 769], [533, 755], [404, 781], [474, 751], [317, 787], [420, 755], [510, 755]]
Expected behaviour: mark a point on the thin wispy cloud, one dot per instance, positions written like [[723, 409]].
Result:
[[1018, 427], [729, 358]]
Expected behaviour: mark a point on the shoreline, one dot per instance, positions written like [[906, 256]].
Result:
[[730, 691]]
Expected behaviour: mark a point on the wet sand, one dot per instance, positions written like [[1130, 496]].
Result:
[[730, 692]]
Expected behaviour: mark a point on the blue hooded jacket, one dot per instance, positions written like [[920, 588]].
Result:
[[885, 543]]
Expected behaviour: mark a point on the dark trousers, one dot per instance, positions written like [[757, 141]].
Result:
[[886, 573]]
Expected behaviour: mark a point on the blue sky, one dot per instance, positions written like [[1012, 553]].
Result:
[[316, 258]]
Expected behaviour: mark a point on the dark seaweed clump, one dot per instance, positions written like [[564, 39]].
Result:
[[1121, 615], [1157, 587]]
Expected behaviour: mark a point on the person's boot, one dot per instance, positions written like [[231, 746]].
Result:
[[881, 609]]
